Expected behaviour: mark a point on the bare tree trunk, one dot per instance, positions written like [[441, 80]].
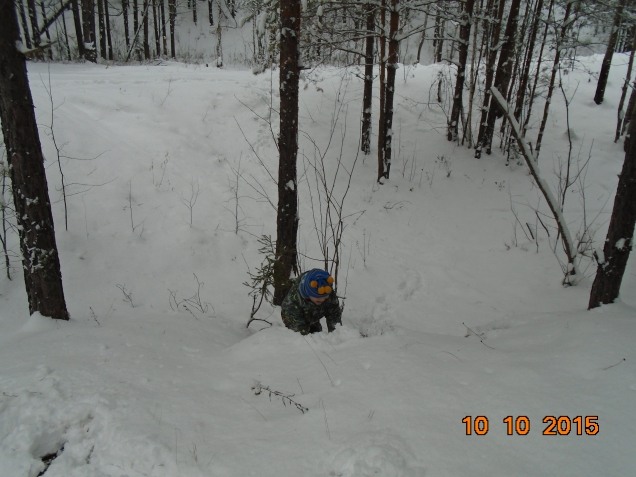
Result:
[[42, 275], [609, 53], [33, 16], [109, 39], [124, 12], [620, 236], [391, 69], [422, 38], [102, 29], [46, 29], [194, 11], [525, 75], [628, 76], [495, 30], [90, 44], [367, 101], [382, 67], [440, 32], [474, 73], [66, 42], [536, 75], [25, 25], [210, 16], [555, 69], [146, 31], [172, 11], [155, 24], [464, 39], [162, 10], [287, 217], [77, 21], [504, 72]]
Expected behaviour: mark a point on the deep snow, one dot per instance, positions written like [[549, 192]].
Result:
[[446, 315]]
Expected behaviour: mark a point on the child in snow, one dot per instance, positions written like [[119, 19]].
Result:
[[310, 298]]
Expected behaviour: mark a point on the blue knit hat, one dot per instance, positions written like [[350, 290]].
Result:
[[316, 283]]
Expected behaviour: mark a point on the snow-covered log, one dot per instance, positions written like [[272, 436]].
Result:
[[529, 157]]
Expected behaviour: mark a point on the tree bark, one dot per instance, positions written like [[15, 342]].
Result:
[[464, 40], [33, 16], [287, 216], [155, 25], [628, 76], [391, 69], [525, 75], [124, 12], [382, 67], [42, 275], [620, 236], [504, 72], [109, 39], [367, 101], [609, 53], [146, 31], [555, 69], [495, 31], [102, 29], [88, 16], [25, 25], [77, 21], [172, 11]]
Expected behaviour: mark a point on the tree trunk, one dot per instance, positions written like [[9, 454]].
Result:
[[109, 39], [102, 29], [287, 217], [124, 11], [77, 21], [609, 53], [172, 11], [162, 10], [555, 69], [382, 67], [367, 102], [88, 15], [33, 16], [210, 16], [391, 69], [620, 236], [46, 29], [155, 25], [440, 32], [628, 76], [504, 72], [464, 39], [536, 75], [25, 25], [495, 31], [146, 31], [42, 275], [525, 75], [194, 11]]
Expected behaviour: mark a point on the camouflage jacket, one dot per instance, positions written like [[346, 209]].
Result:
[[299, 313]]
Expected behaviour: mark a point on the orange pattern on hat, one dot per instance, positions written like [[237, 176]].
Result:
[[313, 284]]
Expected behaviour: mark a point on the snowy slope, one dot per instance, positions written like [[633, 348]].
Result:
[[446, 314]]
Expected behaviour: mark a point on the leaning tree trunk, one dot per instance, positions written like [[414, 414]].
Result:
[[42, 275], [287, 217], [620, 236], [504, 72], [464, 39], [389, 94], [609, 53], [367, 101], [25, 27]]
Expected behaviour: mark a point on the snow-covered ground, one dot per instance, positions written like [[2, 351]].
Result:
[[447, 314]]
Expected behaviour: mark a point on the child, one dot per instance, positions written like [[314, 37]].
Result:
[[310, 298]]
